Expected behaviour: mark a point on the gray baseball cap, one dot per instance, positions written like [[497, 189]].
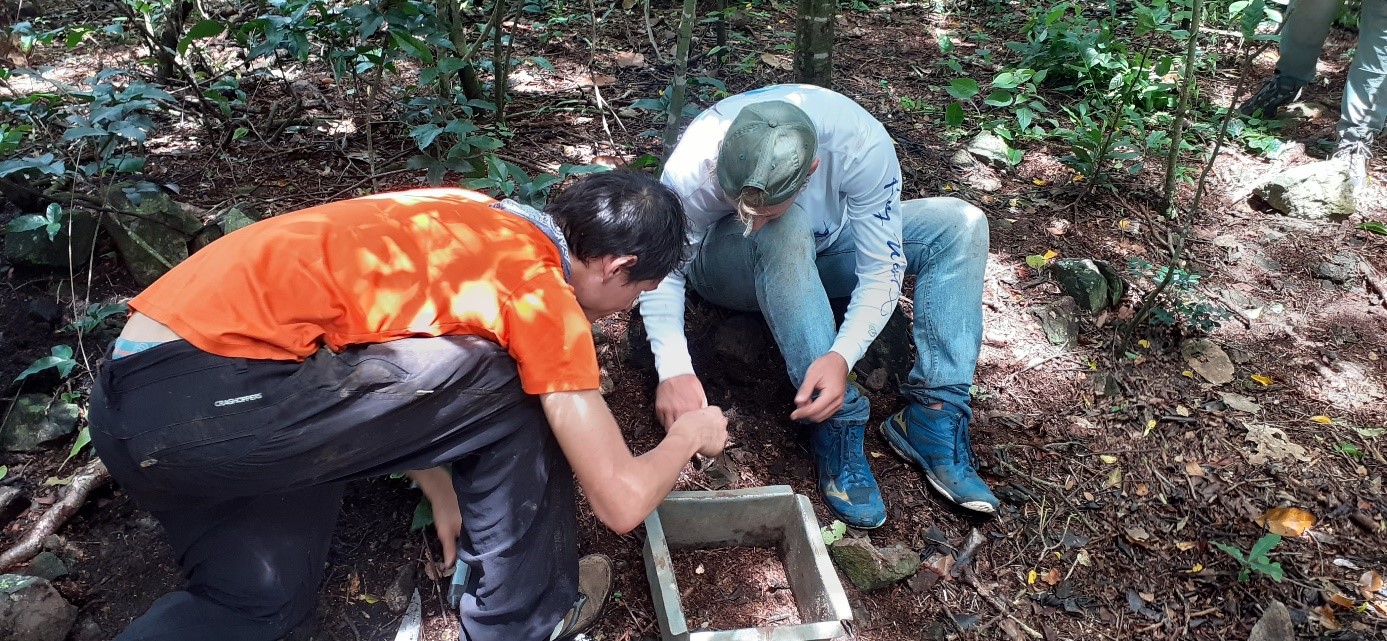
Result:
[[770, 146]]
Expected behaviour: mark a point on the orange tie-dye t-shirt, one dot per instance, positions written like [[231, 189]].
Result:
[[415, 263]]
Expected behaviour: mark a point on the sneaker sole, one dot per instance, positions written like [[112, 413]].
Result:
[[908, 453]]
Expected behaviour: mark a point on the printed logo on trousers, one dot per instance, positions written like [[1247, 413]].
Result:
[[239, 399]]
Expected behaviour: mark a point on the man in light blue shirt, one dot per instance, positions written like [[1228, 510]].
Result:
[[793, 194]]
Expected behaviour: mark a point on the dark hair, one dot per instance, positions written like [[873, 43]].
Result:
[[623, 213]]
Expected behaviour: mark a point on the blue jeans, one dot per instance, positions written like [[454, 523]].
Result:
[[1302, 39], [778, 272]]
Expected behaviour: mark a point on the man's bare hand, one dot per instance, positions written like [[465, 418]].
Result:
[[821, 395], [706, 426], [678, 395], [437, 485]]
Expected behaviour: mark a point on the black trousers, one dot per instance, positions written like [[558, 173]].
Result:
[[244, 461]]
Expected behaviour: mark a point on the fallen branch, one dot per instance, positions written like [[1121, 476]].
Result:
[[1374, 281], [91, 477]]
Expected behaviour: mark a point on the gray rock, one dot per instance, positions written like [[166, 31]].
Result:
[[889, 358], [605, 383], [1316, 191], [870, 567], [983, 179], [234, 218], [1275, 625], [64, 250], [88, 630], [37, 419], [1093, 284], [990, 148], [32, 610], [1059, 321], [46, 565], [398, 594], [1339, 269], [962, 160], [154, 236]]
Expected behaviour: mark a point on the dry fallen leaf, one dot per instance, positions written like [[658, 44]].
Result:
[[1264, 380], [1370, 583], [1272, 443], [1030, 577], [629, 59], [1185, 546], [1324, 615], [1209, 360], [1340, 600], [1198, 567], [778, 62], [1114, 478], [1322, 419], [1240, 403], [1138, 533], [1108, 458], [1287, 521], [597, 80], [1193, 468], [1052, 577]]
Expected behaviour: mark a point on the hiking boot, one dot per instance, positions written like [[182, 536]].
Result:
[[845, 480], [938, 442], [1277, 92], [1355, 154], [594, 586]]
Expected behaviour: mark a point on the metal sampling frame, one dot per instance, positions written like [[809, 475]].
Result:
[[772, 516]]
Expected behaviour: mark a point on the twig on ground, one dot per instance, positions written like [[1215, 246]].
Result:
[[1374, 281], [93, 476]]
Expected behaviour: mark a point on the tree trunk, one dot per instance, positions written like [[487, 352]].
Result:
[[681, 77], [814, 42]]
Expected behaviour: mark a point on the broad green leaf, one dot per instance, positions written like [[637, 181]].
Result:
[[1370, 432], [83, 438], [833, 532], [999, 98], [953, 115], [567, 169], [61, 359], [4, 471], [1252, 16], [27, 222], [425, 134], [423, 515], [412, 45], [204, 29], [1264, 545], [963, 88]]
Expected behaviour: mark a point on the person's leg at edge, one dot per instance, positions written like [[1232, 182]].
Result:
[[774, 271], [1302, 39], [1363, 111], [533, 546], [225, 549], [1307, 24], [946, 245]]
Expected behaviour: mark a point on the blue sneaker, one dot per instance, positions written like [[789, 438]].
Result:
[[938, 442], [845, 480]]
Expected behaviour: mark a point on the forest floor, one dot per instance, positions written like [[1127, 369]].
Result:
[[1119, 471]]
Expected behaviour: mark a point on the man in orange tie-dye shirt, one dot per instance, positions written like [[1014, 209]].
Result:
[[396, 332]]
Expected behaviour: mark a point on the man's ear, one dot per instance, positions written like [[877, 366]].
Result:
[[615, 265], [814, 166]]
